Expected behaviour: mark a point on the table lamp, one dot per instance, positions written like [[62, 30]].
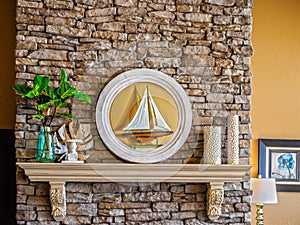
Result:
[[264, 192]]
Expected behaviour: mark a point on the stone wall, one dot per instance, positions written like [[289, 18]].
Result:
[[110, 203], [203, 44]]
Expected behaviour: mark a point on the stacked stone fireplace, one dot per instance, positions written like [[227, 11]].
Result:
[[205, 45]]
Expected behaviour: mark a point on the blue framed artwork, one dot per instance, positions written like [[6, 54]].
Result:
[[279, 159]]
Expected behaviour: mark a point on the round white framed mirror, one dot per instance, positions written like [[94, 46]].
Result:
[[143, 116]]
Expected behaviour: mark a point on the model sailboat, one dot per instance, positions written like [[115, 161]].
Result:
[[147, 123]]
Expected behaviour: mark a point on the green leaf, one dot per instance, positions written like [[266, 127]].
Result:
[[40, 82], [69, 93], [62, 105], [57, 102], [63, 87], [38, 116], [31, 94], [49, 92], [45, 105], [83, 97], [22, 89], [63, 76]]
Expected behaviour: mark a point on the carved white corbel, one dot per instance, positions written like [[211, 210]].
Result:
[[215, 195], [58, 200]]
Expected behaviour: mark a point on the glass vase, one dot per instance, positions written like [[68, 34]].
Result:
[[45, 148]]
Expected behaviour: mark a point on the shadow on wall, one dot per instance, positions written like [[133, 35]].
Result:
[[7, 177]]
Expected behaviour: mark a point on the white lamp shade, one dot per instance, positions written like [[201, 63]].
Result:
[[264, 190]]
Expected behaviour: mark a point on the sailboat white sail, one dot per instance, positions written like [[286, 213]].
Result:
[[141, 118], [159, 121], [148, 121]]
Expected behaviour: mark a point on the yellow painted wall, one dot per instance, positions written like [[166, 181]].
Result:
[[7, 62], [276, 89]]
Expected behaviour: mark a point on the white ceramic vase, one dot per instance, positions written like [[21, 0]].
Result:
[[233, 139], [212, 145]]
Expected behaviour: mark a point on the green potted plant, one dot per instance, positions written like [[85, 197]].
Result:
[[49, 103]]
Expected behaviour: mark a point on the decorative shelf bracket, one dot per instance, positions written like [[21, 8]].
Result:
[[58, 200], [57, 174], [215, 195]]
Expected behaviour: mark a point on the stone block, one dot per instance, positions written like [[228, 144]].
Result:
[[182, 197], [102, 219], [242, 207], [231, 200], [29, 4], [141, 217], [79, 187], [158, 62], [162, 14], [79, 198], [26, 215], [147, 196], [219, 97], [200, 197], [124, 205], [110, 35], [27, 45], [26, 61], [68, 31], [44, 215], [38, 200], [192, 206], [107, 198], [126, 3], [222, 20], [197, 60], [221, 2], [21, 199], [77, 13], [60, 21], [177, 189], [212, 9], [42, 189], [183, 215], [82, 209], [165, 206], [83, 56], [72, 220], [195, 188], [114, 188], [25, 189], [196, 50], [24, 153], [29, 19], [42, 223], [111, 212], [59, 4]]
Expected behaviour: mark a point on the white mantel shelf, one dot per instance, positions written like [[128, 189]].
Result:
[[96, 172], [57, 174]]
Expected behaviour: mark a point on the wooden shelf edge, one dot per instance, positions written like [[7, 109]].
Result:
[[96, 172]]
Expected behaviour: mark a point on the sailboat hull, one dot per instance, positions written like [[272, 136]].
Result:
[[147, 136]]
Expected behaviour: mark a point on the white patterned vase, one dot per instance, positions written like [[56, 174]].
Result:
[[212, 145], [233, 139]]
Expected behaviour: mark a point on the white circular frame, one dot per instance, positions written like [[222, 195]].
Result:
[[122, 81]]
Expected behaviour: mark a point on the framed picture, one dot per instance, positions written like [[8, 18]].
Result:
[[280, 159], [143, 116]]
